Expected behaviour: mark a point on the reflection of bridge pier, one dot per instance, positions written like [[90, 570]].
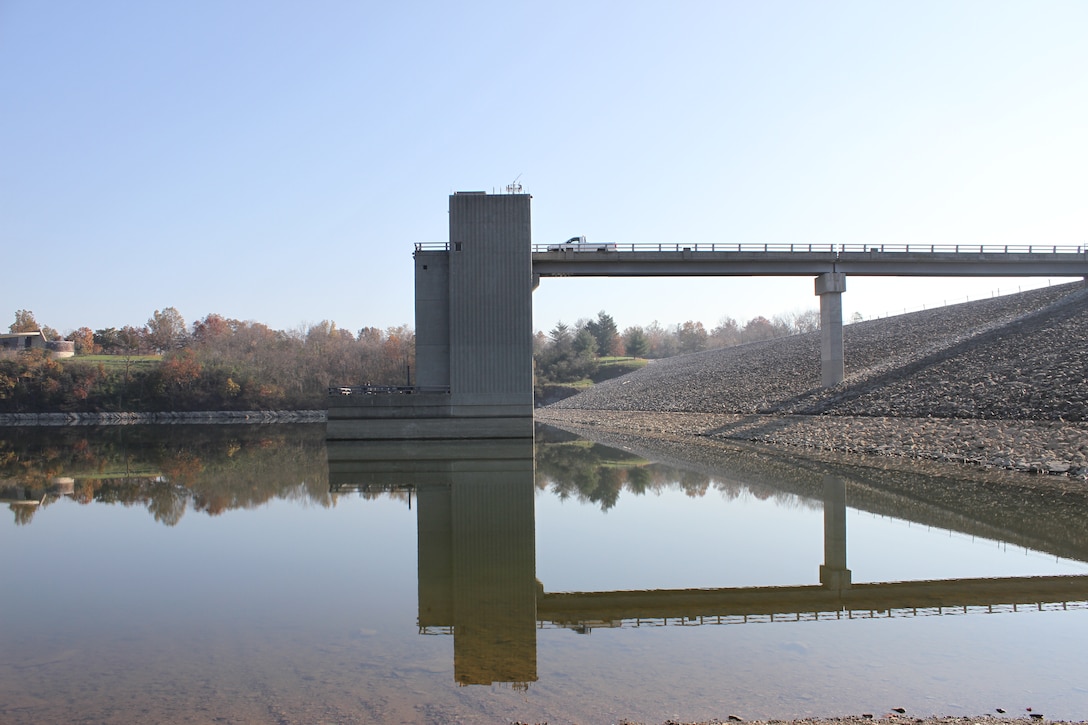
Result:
[[833, 572]]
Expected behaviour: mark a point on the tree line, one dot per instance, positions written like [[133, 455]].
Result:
[[570, 353], [217, 363], [220, 363]]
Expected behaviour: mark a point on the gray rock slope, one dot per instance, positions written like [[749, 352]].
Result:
[[1018, 357]]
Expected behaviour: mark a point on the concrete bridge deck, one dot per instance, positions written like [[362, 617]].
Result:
[[717, 260]]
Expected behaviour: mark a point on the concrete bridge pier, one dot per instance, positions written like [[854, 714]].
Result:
[[830, 287]]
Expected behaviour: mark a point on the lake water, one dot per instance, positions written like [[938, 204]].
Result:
[[254, 574]]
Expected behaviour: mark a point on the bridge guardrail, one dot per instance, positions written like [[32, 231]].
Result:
[[810, 248], [844, 248]]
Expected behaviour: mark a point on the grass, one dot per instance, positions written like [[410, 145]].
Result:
[[629, 363], [613, 367], [137, 470], [118, 362], [607, 368]]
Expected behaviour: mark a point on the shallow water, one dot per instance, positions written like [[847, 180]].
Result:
[[254, 575]]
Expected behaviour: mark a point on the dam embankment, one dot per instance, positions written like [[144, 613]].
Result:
[[1001, 382]]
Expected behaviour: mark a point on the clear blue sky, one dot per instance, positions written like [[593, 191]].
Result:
[[276, 161]]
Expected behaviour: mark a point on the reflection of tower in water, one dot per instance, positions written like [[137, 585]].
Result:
[[477, 570], [476, 540]]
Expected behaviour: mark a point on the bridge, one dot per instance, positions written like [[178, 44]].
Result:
[[473, 303], [799, 260], [829, 264]]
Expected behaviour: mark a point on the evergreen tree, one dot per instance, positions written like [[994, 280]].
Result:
[[635, 343], [604, 331]]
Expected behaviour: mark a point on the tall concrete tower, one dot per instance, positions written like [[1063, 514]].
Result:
[[491, 304], [474, 308], [474, 334]]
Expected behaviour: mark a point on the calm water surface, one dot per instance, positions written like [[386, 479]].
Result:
[[243, 574]]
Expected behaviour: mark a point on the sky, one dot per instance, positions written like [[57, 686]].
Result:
[[277, 161]]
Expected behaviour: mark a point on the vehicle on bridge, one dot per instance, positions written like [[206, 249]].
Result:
[[579, 244]]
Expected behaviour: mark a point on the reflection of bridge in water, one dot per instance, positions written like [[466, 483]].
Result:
[[584, 611], [477, 564]]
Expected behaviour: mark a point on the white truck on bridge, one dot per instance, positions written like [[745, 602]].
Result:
[[579, 244]]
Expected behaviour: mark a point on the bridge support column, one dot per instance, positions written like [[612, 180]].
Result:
[[830, 287], [833, 572]]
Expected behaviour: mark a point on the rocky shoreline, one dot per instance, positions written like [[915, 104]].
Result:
[[1041, 447], [1000, 384]]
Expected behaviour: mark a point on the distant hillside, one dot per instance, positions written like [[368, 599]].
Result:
[[1022, 356]]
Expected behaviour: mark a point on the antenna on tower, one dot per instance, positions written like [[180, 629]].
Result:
[[514, 187]]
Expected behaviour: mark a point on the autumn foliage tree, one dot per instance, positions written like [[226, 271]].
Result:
[[220, 364], [24, 322], [178, 374], [84, 341]]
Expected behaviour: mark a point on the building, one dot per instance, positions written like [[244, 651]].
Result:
[[13, 342]]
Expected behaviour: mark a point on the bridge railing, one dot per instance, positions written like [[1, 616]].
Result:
[[828, 248], [802, 248]]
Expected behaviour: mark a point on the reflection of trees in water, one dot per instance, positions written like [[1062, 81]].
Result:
[[596, 473], [168, 503], [1039, 513], [588, 471], [168, 469]]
